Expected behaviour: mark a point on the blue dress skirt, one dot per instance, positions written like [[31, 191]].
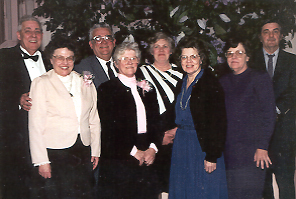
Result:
[[188, 178]]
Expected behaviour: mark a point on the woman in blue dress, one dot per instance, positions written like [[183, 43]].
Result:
[[197, 167]]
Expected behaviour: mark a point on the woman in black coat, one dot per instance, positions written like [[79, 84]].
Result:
[[128, 111], [197, 168]]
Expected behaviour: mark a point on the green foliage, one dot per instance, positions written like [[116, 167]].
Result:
[[142, 18]]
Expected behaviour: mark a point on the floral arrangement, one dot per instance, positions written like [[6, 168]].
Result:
[[212, 21], [87, 78]]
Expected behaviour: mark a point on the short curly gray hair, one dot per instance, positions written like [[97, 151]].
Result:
[[99, 25], [120, 50], [28, 18]]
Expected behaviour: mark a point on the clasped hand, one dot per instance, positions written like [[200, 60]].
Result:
[[209, 166], [146, 157], [169, 136]]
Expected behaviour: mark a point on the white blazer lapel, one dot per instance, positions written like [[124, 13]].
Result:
[[61, 91]]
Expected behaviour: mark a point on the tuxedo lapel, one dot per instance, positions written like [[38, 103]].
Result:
[[19, 67]]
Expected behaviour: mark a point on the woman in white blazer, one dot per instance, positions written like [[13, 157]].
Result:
[[64, 127]]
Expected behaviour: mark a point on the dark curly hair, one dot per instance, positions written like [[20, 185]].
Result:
[[193, 42], [59, 42], [234, 42]]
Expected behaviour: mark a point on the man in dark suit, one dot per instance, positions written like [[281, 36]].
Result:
[[281, 66], [102, 42], [18, 67]]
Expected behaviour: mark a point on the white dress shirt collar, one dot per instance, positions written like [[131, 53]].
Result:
[[274, 59], [35, 69], [104, 66]]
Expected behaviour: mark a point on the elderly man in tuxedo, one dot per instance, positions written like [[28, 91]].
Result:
[[281, 67], [102, 42], [18, 67]]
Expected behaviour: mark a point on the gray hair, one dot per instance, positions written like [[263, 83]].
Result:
[[120, 50], [99, 25], [160, 35], [28, 18]]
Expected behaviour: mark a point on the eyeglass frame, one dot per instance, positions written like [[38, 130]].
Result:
[[185, 57], [125, 60], [98, 37], [62, 58], [238, 53]]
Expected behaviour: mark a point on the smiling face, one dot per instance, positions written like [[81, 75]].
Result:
[[126, 65], [104, 49], [190, 61], [270, 37], [30, 36], [238, 63], [62, 61], [161, 51]]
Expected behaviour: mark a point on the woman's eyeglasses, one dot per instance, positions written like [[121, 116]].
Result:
[[70, 59], [192, 57], [238, 53], [125, 60]]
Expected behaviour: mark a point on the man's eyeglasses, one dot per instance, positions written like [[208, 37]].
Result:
[[125, 60], [70, 59], [99, 39], [192, 57], [238, 53]]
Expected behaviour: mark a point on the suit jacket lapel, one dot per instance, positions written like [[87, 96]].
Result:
[[98, 70], [279, 65]]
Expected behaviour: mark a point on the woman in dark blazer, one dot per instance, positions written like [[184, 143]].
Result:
[[197, 168], [129, 116]]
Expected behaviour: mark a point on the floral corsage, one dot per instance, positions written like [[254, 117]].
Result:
[[87, 78], [145, 85]]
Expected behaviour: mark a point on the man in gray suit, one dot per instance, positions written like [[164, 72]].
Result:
[[102, 42]]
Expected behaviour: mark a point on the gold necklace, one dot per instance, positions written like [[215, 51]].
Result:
[[186, 104]]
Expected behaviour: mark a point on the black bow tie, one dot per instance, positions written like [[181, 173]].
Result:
[[34, 58]]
